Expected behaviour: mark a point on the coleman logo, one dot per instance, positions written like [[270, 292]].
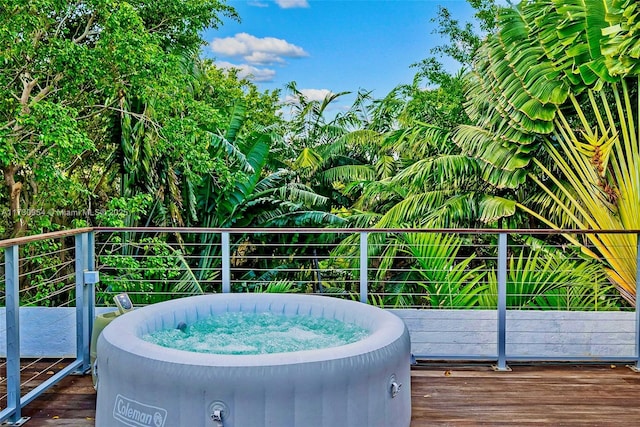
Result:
[[136, 414]]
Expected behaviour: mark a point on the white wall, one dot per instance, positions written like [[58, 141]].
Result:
[[552, 334], [437, 334]]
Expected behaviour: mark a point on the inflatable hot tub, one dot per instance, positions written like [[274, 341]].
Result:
[[362, 384]]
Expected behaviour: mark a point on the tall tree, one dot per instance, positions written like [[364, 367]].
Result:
[[66, 66]]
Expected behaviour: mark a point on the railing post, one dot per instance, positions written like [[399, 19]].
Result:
[[364, 267], [83, 338], [637, 367], [12, 307], [226, 263], [502, 303]]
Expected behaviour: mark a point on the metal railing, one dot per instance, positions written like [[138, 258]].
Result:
[[510, 290], [492, 295], [44, 271]]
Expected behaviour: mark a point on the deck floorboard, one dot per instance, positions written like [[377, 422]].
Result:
[[444, 395]]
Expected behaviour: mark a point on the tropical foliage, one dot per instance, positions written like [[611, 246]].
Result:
[[437, 272], [110, 116], [552, 96], [59, 102], [551, 279]]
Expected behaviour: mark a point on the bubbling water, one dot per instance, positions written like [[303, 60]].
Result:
[[258, 333]]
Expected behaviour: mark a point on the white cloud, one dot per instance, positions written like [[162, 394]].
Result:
[[230, 46], [316, 94], [290, 4], [263, 58], [248, 71], [255, 50], [284, 4], [310, 95]]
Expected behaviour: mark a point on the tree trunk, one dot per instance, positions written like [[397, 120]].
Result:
[[15, 188]]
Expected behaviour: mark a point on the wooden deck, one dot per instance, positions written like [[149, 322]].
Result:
[[448, 395]]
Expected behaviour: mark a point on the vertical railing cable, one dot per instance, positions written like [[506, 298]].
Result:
[[502, 302]]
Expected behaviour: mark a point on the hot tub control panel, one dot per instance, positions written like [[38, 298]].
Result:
[[123, 302]]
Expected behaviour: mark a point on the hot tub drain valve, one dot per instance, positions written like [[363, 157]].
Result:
[[217, 412], [394, 386], [216, 416]]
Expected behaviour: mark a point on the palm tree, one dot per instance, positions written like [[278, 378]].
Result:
[[330, 150], [558, 81]]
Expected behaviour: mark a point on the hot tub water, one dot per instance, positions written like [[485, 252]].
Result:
[[257, 333]]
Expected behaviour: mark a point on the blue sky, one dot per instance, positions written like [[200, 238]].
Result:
[[330, 45]]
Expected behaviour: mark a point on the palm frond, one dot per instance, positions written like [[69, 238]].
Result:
[[272, 181], [447, 280], [548, 279], [386, 166], [414, 207], [302, 194], [445, 171], [308, 159], [621, 46], [278, 287], [305, 219], [348, 173]]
